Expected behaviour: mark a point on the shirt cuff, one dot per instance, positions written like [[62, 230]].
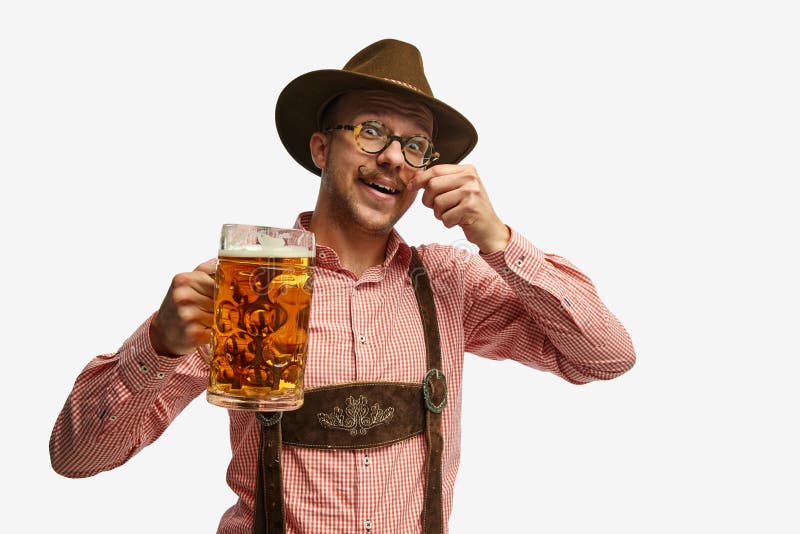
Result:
[[520, 259], [139, 364]]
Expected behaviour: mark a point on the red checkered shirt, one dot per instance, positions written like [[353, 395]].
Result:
[[519, 303]]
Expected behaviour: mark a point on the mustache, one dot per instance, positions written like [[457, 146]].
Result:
[[367, 173]]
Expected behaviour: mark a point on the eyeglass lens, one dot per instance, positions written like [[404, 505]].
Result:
[[373, 137]]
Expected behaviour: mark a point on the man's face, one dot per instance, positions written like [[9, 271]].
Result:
[[354, 183]]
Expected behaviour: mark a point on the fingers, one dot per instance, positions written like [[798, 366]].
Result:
[[454, 185], [208, 267], [421, 180], [418, 182], [202, 283], [186, 314], [190, 292], [455, 208], [440, 185], [457, 197]]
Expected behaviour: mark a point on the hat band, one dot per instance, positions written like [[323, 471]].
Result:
[[404, 84]]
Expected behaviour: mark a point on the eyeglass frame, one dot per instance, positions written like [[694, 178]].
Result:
[[390, 138]]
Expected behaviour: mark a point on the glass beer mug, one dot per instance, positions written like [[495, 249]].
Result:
[[262, 302]]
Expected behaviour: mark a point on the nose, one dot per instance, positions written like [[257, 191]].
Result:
[[392, 156]]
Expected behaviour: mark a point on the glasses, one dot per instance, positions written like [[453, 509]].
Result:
[[373, 137]]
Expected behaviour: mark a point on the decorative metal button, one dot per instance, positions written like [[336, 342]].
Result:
[[434, 375]]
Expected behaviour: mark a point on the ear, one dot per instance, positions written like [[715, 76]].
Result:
[[319, 149]]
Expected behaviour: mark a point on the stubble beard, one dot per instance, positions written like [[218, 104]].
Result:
[[349, 212]]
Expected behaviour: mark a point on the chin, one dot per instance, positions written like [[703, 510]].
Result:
[[376, 226], [355, 213], [373, 221]]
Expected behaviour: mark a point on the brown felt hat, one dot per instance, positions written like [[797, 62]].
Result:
[[388, 65]]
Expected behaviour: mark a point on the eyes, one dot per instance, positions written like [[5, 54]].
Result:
[[372, 130], [416, 144], [373, 137]]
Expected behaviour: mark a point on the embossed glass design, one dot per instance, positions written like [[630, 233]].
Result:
[[262, 299]]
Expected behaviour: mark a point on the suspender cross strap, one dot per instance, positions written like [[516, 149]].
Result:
[[362, 415]]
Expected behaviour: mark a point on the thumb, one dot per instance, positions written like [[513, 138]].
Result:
[[418, 182]]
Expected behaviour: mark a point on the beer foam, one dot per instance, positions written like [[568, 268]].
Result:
[[268, 251]]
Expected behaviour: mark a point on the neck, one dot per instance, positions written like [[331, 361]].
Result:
[[357, 250]]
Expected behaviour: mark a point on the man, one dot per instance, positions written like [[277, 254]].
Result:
[[384, 316]]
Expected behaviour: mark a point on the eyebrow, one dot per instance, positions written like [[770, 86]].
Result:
[[418, 121], [421, 120]]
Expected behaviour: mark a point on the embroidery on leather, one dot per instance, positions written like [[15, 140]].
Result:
[[357, 417]]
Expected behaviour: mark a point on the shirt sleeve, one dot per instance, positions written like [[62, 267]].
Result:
[[540, 310], [121, 403]]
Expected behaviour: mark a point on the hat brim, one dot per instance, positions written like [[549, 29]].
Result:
[[298, 106]]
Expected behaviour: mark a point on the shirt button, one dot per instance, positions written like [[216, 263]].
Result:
[[112, 418], [368, 525], [160, 375], [366, 460], [362, 339], [521, 262], [143, 368]]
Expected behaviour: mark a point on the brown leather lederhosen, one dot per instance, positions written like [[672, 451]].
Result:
[[362, 415]]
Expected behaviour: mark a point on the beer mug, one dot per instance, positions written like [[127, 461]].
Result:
[[262, 302]]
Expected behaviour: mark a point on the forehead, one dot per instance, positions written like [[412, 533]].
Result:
[[388, 107]]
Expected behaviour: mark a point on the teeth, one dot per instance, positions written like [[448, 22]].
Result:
[[383, 188]]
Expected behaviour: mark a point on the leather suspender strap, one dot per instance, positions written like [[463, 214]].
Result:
[[435, 393], [268, 514]]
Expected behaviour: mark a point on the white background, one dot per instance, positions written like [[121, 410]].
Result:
[[654, 144]]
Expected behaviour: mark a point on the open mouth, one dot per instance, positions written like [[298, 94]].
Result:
[[377, 180], [380, 187]]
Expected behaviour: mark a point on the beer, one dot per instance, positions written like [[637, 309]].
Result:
[[259, 337]]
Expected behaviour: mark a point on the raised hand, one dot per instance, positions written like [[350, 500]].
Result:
[[457, 197], [184, 320]]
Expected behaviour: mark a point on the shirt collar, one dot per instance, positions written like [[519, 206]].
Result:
[[396, 248]]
